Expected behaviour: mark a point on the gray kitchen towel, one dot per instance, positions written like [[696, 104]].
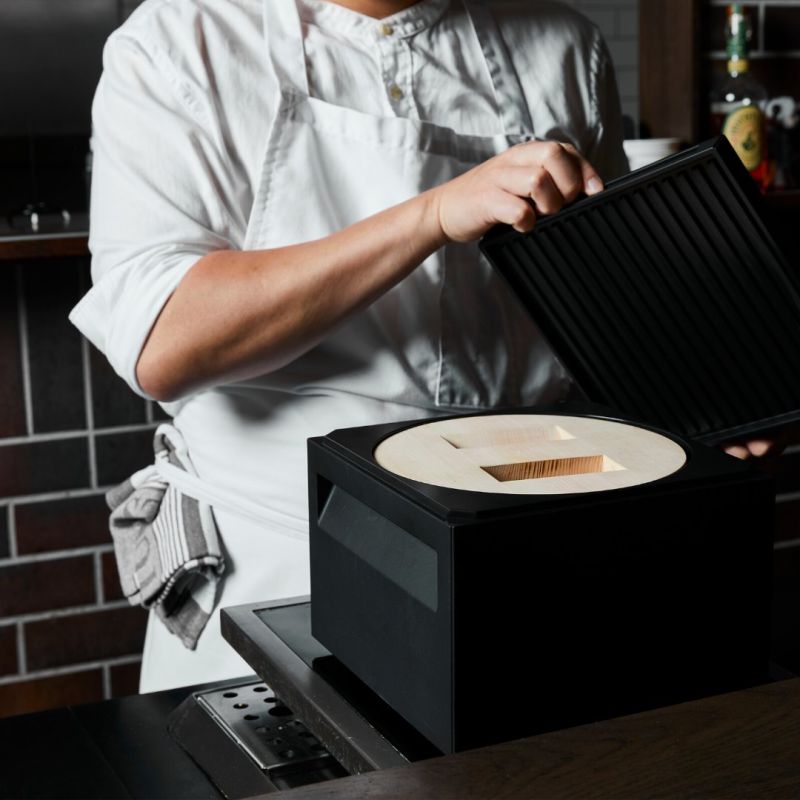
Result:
[[166, 543]]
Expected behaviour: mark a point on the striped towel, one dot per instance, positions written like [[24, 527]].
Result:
[[166, 543]]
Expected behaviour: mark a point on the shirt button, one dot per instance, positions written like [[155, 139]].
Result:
[[396, 92], [385, 29]]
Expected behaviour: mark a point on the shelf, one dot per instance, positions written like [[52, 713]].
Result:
[[27, 248]]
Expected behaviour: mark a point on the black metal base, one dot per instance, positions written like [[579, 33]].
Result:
[[349, 719]]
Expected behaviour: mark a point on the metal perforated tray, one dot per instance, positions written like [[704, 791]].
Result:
[[261, 725], [666, 297]]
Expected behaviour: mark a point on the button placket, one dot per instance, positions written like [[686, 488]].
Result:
[[407, 73], [395, 67]]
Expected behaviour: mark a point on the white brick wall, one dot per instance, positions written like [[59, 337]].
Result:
[[619, 22]]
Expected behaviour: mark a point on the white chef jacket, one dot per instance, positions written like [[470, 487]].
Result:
[[181, 117]]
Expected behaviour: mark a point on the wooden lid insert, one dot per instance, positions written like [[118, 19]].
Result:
[[530, 454]]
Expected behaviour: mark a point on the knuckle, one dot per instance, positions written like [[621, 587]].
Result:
[[538, 180], [551, 150], [522, 218], [551, 206], [513, 153], [573, 188]]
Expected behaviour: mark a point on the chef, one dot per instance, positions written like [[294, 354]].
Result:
[[286, 200]]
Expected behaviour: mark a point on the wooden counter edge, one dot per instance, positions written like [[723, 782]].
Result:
[[743, 744]]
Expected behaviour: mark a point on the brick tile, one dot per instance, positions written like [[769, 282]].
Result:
[[119, 455], [125, 679], [39, 694], [46, 585], [113, 402], [604, 18], [36, 467], [62, 524], [625, 53], [111, 588], [51, 289], [628, 81], [91, 636], [628, 22], [8, 649], [5, 548], [12, 402]]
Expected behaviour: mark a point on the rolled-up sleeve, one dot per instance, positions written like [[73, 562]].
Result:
[[164, 194]]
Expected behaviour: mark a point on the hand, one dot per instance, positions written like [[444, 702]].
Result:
[[513, 188], [766, 447], [761, 448]]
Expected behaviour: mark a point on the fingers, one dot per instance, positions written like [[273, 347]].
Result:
[[511, 210], [536, 183], [737, 451], [592, 182], [570, 172], [759, 448], [755, 448], [512, 188]]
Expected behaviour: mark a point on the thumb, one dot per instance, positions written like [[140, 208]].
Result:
[[592, 182]]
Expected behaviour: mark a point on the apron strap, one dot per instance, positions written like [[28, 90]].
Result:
[[512, 107], [217, 497], [284, 37]]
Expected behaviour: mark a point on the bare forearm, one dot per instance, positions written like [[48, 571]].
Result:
[[239, 314]]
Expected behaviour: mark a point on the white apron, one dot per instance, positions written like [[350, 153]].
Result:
[[450, 336]]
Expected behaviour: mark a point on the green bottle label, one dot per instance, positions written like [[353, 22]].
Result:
[[744, 130]]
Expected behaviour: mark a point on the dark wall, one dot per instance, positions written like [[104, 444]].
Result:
[[50, 63]]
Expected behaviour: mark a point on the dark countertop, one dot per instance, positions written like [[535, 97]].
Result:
[[743, 744], [114, 749], [739, 745]]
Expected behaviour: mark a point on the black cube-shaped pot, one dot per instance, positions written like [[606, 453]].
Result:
[[485, 617]]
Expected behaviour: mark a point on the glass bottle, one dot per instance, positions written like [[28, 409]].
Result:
[[739, 101]]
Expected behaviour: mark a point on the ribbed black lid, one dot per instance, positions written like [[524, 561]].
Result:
[[666, 297]]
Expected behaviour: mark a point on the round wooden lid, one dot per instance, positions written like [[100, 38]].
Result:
[[530, 454]]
